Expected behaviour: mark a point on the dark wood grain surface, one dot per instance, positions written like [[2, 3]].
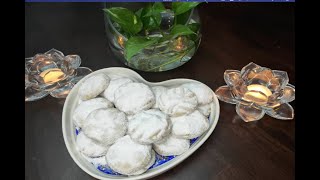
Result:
[[234, 34]]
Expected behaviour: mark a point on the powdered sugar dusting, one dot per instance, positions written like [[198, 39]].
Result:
[[113, 86], [132, 98], [149, 126], [157, 91], [90, 148], [178, 101], [189, 126], [86, 107], [93, 86], [203, 93], [105, 125], [127, 157]]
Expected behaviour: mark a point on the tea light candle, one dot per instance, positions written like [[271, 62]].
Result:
[[257, 93], [53, 75]]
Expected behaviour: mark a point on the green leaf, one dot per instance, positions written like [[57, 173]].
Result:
[[156, 8], [183, 18], [151, 19], [194, 27], [138, 13], [182, 7], [180, 30], [166, 37], [127, 20], [135, 44]]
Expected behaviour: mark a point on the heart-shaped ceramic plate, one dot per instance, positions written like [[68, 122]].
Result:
[[69, 130]]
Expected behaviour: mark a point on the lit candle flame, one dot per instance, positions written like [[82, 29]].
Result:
[[179, 45], [257, 93], [53, 75], [121, 41]]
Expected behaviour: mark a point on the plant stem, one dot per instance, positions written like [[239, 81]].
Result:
[[158, 25], [174, 58]]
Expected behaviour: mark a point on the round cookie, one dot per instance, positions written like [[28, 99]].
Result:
[[177, 101], [86, 107], [189, 126], [93, 86], [147, 127], [113, 86], [205, 109], [127, 157], [157, 91], [153, 159], [105, 125], [132, 98], [172, 146], [203, 93], [89, 147]]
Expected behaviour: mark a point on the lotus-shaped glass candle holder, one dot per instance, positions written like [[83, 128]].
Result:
[[52, 73], [258, 90]]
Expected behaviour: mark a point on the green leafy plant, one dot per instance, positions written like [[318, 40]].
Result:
[[137, 25]]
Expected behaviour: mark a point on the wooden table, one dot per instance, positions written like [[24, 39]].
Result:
[[234, 34]]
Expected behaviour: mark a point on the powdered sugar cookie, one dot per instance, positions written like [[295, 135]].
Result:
[[177, 101], [133, 97], [86, 107], [172, 146], [203, 93], [157, 91], [205, 109], [89, 147], [189, 126], [93, 86], [147, 127], [114, 85], [105, 125], [127, 157], [153, 159]]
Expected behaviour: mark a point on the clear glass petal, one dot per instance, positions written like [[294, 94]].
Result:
[[41, 57], [54, 51], [239, 89], [63, 91], [267, 72], [282, 77], [73, 60], [288, 94], [41, 66], [81, 72], [224, 94], [33, 95], [46, 87], [27, 83], [249, 71], [231, 77], [55, 55], [249, 113], [274, 84], [27, 65], [258, 79], [284, 112], [274, 100]]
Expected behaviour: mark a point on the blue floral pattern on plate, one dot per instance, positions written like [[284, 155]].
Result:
[[159, 159]]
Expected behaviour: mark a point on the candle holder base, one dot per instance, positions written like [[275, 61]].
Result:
[[52, 73], [257, 91]]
